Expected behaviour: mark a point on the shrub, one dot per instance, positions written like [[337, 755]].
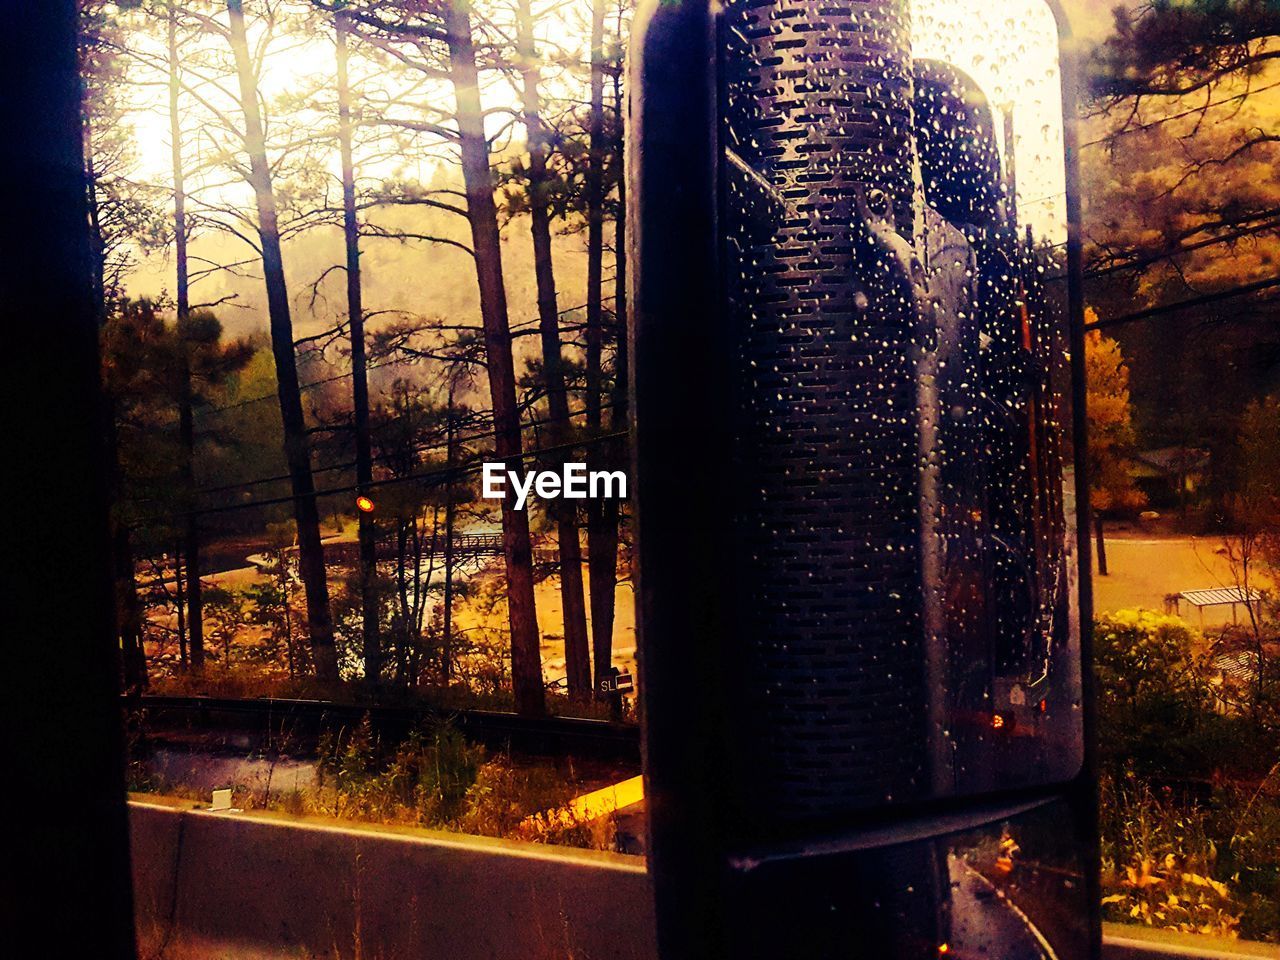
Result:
[[1153, 688], [1190, 804], [1159, 861], [425, 781], [1148, 658]]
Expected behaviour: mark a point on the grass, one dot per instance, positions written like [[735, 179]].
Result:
[[435, 778]]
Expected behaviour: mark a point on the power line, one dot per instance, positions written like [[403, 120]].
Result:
[[209, 411], [329, 468], [437, 476], [1139, 263], [417, 448], [1240, 234], [1228, 294]]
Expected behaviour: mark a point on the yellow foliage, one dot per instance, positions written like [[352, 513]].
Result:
[[1111, 436], [1170, 898]]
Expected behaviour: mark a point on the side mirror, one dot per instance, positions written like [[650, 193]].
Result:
[[861, 607]]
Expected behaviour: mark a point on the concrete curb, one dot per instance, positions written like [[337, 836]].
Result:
[[248, 886]]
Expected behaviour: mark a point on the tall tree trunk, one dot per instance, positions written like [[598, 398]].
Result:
[[604, 554], [128, 606], [415, 611], [297, 456], [402, 586], [186, 413], [368, 536], [601, 531], [576, 645], [446, 645], [595, 219], [1100, 539], [526, 660], [282, 581], [180, 605], [95, 226]]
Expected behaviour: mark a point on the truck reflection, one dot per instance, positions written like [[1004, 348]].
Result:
[[1009, 890]]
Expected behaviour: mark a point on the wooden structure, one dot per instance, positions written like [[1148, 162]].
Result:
[[1217, 597]]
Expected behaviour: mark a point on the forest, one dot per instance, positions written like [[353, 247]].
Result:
[[346, 252]]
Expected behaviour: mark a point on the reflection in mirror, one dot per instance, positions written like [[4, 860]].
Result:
[[894, 199], [1014, 888]]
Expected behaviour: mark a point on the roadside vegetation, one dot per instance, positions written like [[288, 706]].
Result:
[[1190, 784], [435, 778]]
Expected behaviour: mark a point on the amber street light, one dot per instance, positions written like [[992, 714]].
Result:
[[364, 504]]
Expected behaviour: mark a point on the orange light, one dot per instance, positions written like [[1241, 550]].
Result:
[[997, 722], [944, 948], [364, 504]]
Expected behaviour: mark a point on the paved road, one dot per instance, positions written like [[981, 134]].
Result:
[[984, 925]]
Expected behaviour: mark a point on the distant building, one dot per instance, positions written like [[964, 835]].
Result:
[[1170, 475]]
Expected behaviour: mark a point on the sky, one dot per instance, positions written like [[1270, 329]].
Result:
[[1090, 19], [1007, 46], [1010, 49]]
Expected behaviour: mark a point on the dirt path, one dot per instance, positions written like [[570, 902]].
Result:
[[1145, 570]]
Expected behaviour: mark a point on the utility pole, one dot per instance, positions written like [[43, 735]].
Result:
[[186, 412], [368, 534]]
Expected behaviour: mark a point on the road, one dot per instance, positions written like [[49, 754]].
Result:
[[984, 925]]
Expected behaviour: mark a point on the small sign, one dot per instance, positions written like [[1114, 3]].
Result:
[[221, 800], [618, 683]]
